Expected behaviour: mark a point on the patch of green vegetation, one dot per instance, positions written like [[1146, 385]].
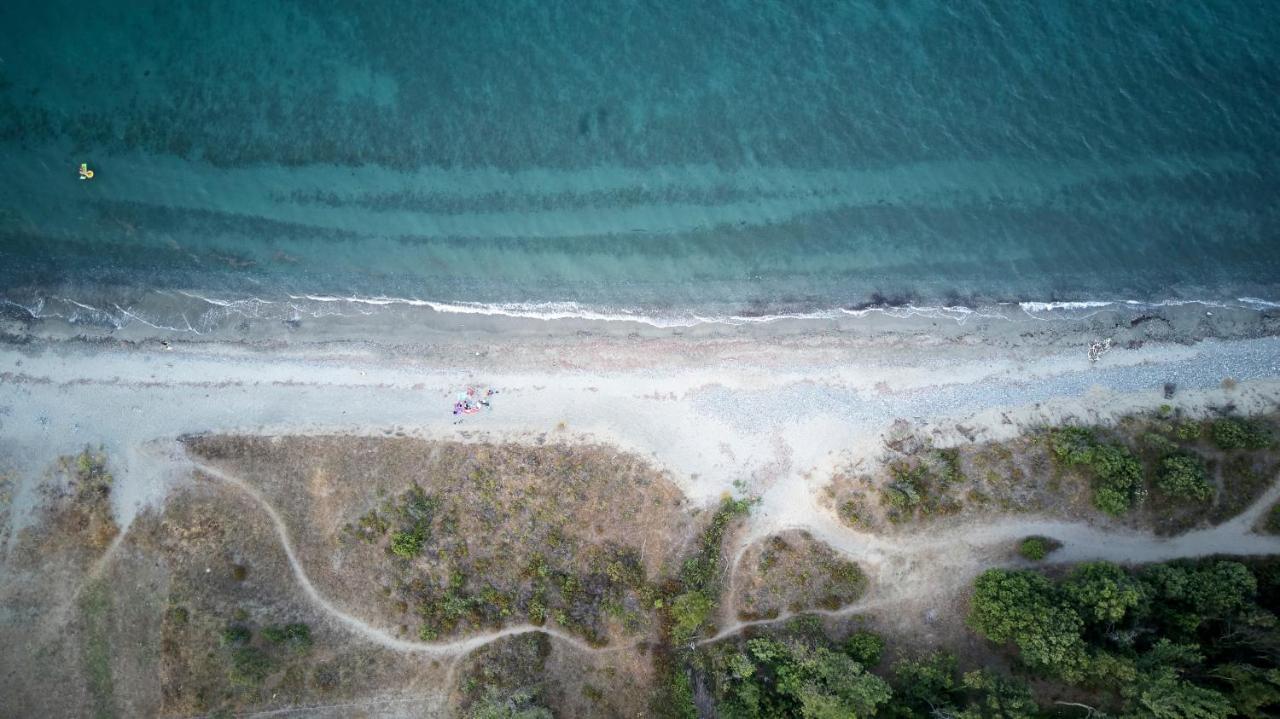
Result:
[[851, 512], [92, 480], [1117, 474], [1037, 548], [689, 611], [371, 526], [765, 677], [1189, 431], [686, 608], [1244, 479], [916, 491], [235, 635], [1272, 522], [1184, 476], [951, 472], [699, 576], [932, 687], [1181, 639], [519, 704], [846, 575], [864, 648], [95, 609], [414, 512], [506, 679], [177, 616], [407, 544], [249, 666], [1158, 444], [1231, 433], [296, 635]]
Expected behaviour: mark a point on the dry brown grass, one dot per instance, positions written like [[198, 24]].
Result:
[[225, 568], [915, 483], [991, 479], [77, 511], [792, 571], [570, 535]]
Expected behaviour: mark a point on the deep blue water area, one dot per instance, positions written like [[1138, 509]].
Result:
[[700, 159]]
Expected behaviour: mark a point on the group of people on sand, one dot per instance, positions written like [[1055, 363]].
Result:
[[471, 401]]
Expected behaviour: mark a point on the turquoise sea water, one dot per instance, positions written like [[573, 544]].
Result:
[[655, 159]]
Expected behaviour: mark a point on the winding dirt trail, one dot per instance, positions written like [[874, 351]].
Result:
[[364, 629], [967, 549], [939, 561]]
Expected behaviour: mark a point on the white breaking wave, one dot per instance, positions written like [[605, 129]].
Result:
[[1259, 304], [1030, 307], [217, 311]]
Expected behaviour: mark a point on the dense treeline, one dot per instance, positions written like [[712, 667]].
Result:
[[1179, 640], [1195, 640]]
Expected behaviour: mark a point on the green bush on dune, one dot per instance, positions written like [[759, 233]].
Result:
[[1037, 548], [1117, 473], [1232, 433], [407, 544], [1184, 476]]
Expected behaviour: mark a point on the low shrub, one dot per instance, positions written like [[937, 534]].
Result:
[[296, 635], [850, 512], [249, 666], [1158, 443], [407, 544], [688, 612], [1117, 473], [1233, 433], [1272, 523], [178, 616], [1184, 476], [235, 635], [951, 471], [1189, 431], [1037, 548]]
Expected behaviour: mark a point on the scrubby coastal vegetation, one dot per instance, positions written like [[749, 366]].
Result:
[[1157, 471], [574, 580]]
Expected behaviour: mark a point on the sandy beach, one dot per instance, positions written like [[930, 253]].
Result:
[[775, 408]]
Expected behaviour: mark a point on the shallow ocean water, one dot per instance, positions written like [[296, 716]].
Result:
[[650, 159]]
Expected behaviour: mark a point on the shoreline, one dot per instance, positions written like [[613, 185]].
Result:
[[776, 412], [397, 324]]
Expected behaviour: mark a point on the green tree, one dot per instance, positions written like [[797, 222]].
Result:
[[864, 648], [1187, 596], [1253, 689], [925, 687], [1101, 592], [688, 612], [997, 697], [1162, 695], [793, 679], [1022, 607], [1184, 476]]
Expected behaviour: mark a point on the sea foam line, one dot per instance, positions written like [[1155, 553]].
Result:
[[320, 305]]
